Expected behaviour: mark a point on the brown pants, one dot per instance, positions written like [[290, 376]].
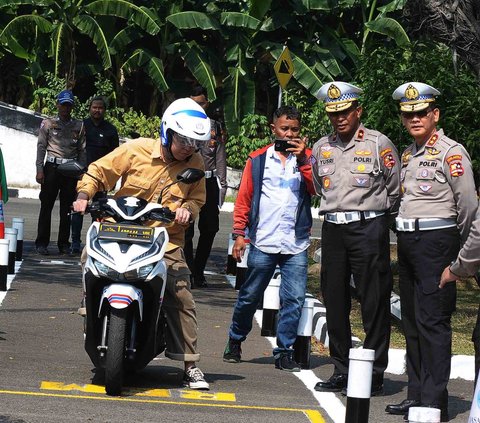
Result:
[[180, 311]]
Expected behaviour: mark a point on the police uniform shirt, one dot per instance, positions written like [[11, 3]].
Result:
[[101, 139], [437, 182], [57, 138], [363, 175], [215, 157]]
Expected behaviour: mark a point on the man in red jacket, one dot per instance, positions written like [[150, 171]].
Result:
[[273, 206]]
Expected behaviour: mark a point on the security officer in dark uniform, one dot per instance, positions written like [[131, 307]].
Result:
[[215, 160], [436, 211], [60, 139], [101, 138], [356, 173]]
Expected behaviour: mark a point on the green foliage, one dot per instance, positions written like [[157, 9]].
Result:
[[382, 71], [254, 133], [126, 121]]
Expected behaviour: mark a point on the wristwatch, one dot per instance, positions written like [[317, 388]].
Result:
[[235, 236]]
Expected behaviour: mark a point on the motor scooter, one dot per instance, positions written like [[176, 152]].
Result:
[[124, 279]]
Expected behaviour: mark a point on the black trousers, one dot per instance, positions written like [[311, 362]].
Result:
[[427, 311], [55, 184], [361, 249], [208, 225]]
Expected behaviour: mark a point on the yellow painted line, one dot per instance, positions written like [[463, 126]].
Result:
[[161, 393], [313, 415]]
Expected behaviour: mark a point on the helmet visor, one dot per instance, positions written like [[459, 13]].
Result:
[[186, 142]]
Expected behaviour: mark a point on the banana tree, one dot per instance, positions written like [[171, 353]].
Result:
[[67, 25]]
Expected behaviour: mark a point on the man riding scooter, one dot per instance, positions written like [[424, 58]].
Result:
[[146, 166]]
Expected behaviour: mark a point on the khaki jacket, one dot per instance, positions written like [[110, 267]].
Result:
[[143, 172]]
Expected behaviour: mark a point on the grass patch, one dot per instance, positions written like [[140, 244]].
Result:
[[463, 320]]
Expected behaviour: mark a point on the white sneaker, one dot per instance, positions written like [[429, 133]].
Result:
[[194, 379]]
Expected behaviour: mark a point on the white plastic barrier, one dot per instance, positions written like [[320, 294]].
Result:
[[271, 305], [359, 386], [11, 235]]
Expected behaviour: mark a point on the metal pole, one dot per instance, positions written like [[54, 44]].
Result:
[[11, 235], [279, 96], [302, 346], [271, 305], [242, 267], [359, 385], [18, 223], [424, 415], [3, 263]]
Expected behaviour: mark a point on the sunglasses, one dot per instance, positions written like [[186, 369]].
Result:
[[420, 114], [186, 142]]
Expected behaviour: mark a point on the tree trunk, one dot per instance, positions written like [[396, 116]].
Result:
[[455, 23]]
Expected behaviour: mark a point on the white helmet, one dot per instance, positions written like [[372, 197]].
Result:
[[185, 117]]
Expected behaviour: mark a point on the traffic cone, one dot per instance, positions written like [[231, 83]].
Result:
[[475, 409]]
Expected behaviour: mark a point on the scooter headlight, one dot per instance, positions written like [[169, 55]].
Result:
[[105, 271], [140, 273], [144, 271]]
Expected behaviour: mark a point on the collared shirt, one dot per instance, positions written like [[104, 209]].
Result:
[[437, 182], [363, 175], [100, 139], [468, 260], [144, 173], [62, 139], [278, 207]]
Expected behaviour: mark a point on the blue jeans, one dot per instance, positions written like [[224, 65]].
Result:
[[261, 267]]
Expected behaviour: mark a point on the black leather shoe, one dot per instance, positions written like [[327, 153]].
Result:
[[336, 383], [403, 407]]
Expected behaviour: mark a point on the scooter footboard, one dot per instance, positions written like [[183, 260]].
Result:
[[121, 296]]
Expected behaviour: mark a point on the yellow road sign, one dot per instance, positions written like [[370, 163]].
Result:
[[284, 68]]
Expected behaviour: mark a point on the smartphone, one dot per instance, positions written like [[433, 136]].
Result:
[[282, 145]]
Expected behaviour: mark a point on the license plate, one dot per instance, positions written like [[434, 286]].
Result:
[[121, 232]]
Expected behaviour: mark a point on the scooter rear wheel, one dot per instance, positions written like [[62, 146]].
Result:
[[116, 339]]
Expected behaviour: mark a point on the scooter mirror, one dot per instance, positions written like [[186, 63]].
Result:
[[190, 175], [72, 169]]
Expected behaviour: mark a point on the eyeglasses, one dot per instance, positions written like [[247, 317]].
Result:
[[186, 142], [420, 114]]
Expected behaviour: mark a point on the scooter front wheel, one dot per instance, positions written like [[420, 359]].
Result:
[[115, 351]]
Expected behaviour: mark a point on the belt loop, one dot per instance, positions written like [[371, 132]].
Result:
[[417, 230], [362, 218]]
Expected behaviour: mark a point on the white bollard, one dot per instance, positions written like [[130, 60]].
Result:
[[231, 262], [359, 386], [424, 415], [11, 235], [242, 266], [3, 263], [302, 344], [271, 305], [18, 223], [475, 408]]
